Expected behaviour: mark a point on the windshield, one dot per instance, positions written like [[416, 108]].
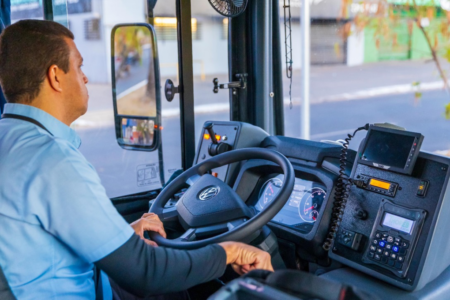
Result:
[[371, 62]]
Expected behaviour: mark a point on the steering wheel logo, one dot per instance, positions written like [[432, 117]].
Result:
[[208, 193]]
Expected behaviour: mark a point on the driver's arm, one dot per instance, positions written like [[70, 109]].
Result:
[[78, 212], [143, 270]]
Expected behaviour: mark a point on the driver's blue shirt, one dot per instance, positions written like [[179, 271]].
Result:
[[55, 216]]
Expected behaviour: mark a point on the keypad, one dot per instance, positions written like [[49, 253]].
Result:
[[388, 250]]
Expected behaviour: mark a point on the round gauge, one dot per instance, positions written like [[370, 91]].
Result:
[[269, 191], [310, 204]]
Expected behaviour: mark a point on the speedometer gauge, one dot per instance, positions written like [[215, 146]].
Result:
[[303, 207], [269, 191], [310, 204]]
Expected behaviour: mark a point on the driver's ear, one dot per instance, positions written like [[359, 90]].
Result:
[[54, 76]]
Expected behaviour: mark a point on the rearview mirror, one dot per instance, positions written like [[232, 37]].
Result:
[[136, 87]]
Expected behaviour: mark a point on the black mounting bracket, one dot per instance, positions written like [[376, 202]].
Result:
[[241, 84], [170, 90]]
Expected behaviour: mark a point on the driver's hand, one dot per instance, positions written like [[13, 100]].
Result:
[[244, 258], [148, 222]]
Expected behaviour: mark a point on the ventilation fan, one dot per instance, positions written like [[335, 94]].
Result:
[[229, 8]]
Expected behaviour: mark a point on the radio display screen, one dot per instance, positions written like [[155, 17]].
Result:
[[399, 223], [388, 148]]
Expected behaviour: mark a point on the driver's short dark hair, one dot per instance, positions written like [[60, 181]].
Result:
[[27, 50]]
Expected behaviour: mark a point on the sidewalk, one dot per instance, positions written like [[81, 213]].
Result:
[[328, 83]]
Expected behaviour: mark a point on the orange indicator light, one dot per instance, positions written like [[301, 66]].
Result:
[[206, 136], [380, 184], [218, 137]]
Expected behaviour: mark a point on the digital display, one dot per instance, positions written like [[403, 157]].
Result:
[[380, 184], [398, 223], [303, 207], [389, 149]]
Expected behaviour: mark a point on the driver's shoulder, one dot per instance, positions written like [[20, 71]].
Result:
[[46, 156]]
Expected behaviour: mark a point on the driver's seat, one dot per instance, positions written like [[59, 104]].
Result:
[[5, 290]]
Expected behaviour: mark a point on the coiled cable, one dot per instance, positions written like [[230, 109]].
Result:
[[341, 194]]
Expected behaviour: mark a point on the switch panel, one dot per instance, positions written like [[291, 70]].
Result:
[[235, 135], [422, 188], [350, 239]]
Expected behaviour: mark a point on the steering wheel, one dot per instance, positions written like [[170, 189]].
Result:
[[210, 208]]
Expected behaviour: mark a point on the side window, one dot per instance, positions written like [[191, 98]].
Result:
[[370, 63], [122, 172], [26, 9], [210, 59]]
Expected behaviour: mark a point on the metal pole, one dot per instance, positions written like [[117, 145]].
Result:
[[260, 69], [47, 8], [268, 99], [186, 73], [151, 20], [305, 28]]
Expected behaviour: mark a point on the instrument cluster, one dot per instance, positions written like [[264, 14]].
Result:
[[302, 208]]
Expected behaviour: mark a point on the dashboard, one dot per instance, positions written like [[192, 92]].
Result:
[[303, 207], [390, 223]]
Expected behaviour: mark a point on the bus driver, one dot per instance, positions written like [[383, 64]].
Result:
[[57, 221]]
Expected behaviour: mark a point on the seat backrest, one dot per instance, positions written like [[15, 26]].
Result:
[[5, 290]]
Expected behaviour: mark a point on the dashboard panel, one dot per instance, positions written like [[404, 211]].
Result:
[[302, 209], [393, 224], [304, 219]]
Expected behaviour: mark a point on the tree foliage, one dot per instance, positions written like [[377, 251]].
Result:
[[381, 17]]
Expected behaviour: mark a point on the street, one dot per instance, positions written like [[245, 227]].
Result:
[[329, 121]]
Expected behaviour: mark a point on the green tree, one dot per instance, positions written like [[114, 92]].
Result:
[[382, 17]]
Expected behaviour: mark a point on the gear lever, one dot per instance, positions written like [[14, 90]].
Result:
[[209, 127], [215, 148]]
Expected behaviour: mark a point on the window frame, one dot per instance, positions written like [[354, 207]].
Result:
[[185, 71]]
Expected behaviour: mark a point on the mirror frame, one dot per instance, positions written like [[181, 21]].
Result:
[[118, 118]]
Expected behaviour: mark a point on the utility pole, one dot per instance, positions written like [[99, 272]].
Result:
[[306, 48]]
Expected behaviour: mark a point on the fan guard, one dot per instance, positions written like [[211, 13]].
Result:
[[229, 8]]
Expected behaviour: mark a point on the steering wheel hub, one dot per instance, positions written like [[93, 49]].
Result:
[[220, 204], [211, 211], [209, 193]]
